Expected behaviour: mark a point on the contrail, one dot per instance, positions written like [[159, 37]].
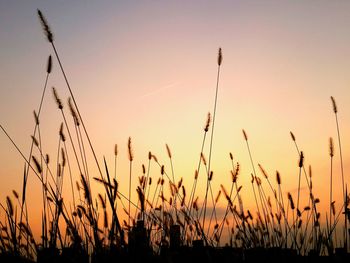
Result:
[[158, 90]]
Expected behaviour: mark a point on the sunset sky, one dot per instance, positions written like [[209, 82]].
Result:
[[147, 69]]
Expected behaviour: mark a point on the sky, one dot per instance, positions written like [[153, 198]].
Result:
[[147, 69]]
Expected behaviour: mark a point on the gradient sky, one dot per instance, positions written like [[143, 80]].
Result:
[[147, 69]]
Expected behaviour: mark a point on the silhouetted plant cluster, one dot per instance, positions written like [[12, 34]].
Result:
[[167, 220]]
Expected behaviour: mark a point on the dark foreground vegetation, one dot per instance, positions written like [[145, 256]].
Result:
[[182, 254], [167, 222]]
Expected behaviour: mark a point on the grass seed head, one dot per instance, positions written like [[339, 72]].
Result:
[[291, 201], [36, 118], [218, 196], [207, 124], [58, 100], [15, 194], [203, 159], [45, 26], [155, 158], [219, 57], [102, 201], [307, 208], [334, 104], [9, 206], [37, 165], [253, 178], [245, 135], [73, 112], [263, 171], [179, 184], [62, 136], [331, 147], [168, 150], [292, 135], [210, 175], [130, 153], [234, 174], [333, 208], [115, 149], [301, 160], [35, 141], [49, 65], [63, 156], [183, 191], [300, 223], [298, 213], [231, 156], [278, 177], [87, 193]]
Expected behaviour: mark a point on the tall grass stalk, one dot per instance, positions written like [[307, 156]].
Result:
[[115, 161], [48, 71], [201, 158], [50, 38], [212, 134], [335, 110], [131, 158], [331, 154]]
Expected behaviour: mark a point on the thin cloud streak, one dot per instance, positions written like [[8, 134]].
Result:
[[157, 91]]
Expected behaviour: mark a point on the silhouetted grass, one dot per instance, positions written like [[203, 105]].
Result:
[[165, 223]]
